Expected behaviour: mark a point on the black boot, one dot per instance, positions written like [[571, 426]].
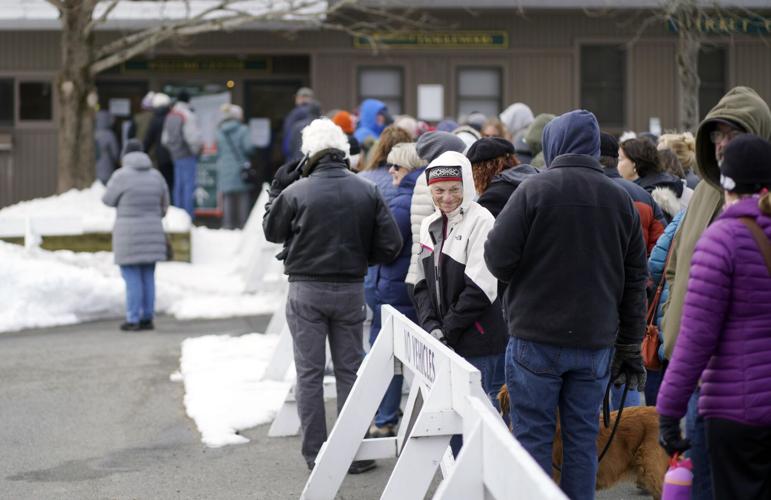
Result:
[[359, 466], [146, 324], [130, 327]]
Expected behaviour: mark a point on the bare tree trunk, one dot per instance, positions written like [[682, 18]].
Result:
[[687, 58], [76, 94]]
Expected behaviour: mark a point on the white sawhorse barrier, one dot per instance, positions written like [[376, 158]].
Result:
[[446, 398]]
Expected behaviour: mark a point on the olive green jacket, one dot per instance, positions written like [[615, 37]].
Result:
[[745, 107]]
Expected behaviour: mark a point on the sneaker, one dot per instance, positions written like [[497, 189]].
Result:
[[146, 324], [359, 466], [386, 431], [130, 327]]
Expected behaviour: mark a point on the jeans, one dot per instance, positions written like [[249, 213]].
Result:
[[652, 386], [185, 170], [695, 430], [632, 397], [486, 366], [542, 377], [140, 291]]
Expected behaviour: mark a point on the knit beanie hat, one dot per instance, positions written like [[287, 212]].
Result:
[[746, 167], [489, 148], [344, 120], [431, 144], [444, 173], [608, 145]]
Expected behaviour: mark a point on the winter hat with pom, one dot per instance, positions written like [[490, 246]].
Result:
[[322, 136]]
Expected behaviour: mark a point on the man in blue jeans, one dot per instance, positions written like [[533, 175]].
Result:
[[569, 244]]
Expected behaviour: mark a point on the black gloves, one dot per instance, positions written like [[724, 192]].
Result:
[[628, 368], [670, 437], [286, 175]]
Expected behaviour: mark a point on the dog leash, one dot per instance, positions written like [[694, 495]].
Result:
[[606, 420]]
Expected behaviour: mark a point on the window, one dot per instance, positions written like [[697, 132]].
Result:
[[712, 70], [383, 84], [603, 69], [35, 101], [6, 103], [479, 89]]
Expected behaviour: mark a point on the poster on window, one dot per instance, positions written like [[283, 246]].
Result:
[[207, 109]]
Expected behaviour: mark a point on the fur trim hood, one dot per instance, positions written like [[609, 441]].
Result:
[[323, 134]]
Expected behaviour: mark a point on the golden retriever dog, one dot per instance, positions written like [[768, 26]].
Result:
[[634, 453]]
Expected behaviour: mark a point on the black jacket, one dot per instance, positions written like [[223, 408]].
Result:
[[502, 186], [333, 224], [570, 246]]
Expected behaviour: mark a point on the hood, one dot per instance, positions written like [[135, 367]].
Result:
[[575, 132], [535, 132], [741, 105], [515, 175], [137, 160], [103, 120], [229, 125], [368, 112], [662, 180], [453, 159], [516, 117]]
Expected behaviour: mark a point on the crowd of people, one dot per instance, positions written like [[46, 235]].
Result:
[[532, 246]]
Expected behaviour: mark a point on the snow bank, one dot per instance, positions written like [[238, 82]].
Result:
[[43, 289], [85, 205], [223, 390]]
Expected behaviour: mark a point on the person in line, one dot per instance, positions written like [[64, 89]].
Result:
[[333, 224], [373, 118], [456, 297], [533, 139], [684, 147], [234, 148], [405, 166], [740, 111], [152, 139], [725, 331], [569, 244], [302, 98], [106, 145], [638, 161], [429, 146], [517, 118], [141, 197], [669, 203], [311, 111], [182, 136], [493, 127]]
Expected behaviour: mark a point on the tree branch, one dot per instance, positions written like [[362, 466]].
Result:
[[92, 24]]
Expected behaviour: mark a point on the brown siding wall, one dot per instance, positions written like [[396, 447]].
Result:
[[651, 89], [30, 169], [29, 51], [752, 66], [544, 81]]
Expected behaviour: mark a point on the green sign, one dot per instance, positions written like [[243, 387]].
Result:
[[199, 64], [719, 24], [437, 40], [206, 184]]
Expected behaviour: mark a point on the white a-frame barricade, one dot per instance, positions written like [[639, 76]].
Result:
[[446, 398]]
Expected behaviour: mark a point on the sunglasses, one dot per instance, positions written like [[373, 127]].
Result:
[[394, 166]]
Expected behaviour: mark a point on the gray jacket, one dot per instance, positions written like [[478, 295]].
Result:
[[140, 194], [181, 134]]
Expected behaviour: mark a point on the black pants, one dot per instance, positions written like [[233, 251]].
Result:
[[740, 456]]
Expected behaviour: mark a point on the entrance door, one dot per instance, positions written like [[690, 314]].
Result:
[[119, 92], [271, 99]]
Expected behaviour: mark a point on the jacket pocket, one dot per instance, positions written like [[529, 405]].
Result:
[[541, 359]]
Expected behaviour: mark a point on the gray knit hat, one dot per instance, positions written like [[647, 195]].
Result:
[[431, 144]]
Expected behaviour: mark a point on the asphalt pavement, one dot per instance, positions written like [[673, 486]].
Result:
[[89, 412]]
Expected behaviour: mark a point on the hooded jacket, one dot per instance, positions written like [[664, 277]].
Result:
[[743, 106], [502, 186], [333, 224], [533, 138], [106, 147], [141, 197], [454, 291], [569, 244], [152, 139], [234, 147], [181, 134], [368, 126], [517, 118], [724, 334]]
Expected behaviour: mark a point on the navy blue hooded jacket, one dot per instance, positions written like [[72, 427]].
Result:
[[570, 246]]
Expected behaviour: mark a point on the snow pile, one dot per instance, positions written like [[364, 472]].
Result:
[[42, 289], [85, 205], [223, 390]]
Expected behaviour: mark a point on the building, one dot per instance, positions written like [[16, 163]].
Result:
[[553, 55]]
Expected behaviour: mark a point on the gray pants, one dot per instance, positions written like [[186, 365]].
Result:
[[315, 310], [236, 207]]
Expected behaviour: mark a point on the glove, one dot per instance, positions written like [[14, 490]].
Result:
[[286, 174], [438, 335], [628, 368], [670, 437]]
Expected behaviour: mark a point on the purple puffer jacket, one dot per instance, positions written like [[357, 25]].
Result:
[[726, 326]]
